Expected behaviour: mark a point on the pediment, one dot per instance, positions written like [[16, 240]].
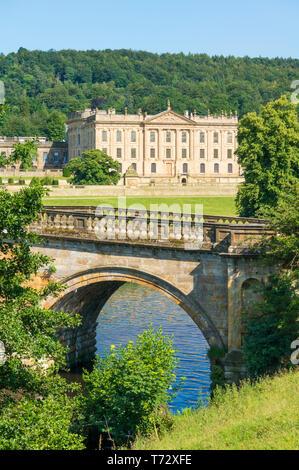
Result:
[[171, 117]]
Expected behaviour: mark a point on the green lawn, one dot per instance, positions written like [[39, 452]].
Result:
[[258, 416], [212, 205]]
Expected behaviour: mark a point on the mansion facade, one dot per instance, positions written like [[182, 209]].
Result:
[[162, 148]]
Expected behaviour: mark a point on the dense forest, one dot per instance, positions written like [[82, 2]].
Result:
[[43, 87]]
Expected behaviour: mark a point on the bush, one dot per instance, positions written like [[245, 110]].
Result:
[[127, 391], [10, 181], [35, 181], [22, 182], [1, 182], [55, 182], [34, 424], [47, 180], [66, 172]]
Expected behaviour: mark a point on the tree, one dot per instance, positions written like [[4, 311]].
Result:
[[268, 152], [273, 324], [25, 153], [97, 102], [94, 167], [56, 126], [28, 330], [128, 389]]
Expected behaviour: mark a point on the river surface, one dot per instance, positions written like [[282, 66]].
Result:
[[131, 309]]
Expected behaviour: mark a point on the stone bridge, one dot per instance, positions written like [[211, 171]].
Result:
[[96, 253]]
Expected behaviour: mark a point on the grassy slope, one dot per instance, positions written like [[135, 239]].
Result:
[[260, 416], [211, 205]]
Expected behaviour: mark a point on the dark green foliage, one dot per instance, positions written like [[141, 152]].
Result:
[[55, 126], [21, 182], [273, 327], [66, 172], [44, 424], [55, 182], [217, 377], [71, 80], [273, 324], [1, 182], [10, 181], [128, 389], [268, 151], [215, 352], [94, 167], [30, 335]]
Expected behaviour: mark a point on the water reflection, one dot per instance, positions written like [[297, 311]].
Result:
[[131, 309]]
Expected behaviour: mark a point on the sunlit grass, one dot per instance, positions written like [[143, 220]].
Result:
[[213, 205], [264, 415]]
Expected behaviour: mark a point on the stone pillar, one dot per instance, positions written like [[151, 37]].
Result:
[[233, 364]]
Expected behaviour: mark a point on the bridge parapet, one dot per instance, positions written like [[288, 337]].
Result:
[[191, 231]]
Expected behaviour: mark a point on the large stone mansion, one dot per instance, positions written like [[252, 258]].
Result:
[[162, 148]]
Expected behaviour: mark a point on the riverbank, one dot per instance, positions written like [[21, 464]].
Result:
[[264, 415]]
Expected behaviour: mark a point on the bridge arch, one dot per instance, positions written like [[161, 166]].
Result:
[[87, 292]]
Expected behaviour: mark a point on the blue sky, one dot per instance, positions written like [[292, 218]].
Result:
[[232, 27]]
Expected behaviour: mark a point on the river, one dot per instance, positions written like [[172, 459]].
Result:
[[131, 309]]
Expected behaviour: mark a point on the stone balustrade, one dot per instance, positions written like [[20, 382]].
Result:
[[228, 234]]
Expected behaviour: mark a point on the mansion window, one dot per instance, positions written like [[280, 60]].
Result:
[[184, 137], [202, 137], [216, 168], [133, 136], [184, 153], [133, 153], [79, 139], [104, 136], [215, 138], [168, 153], [216, 153], [229, 168], [56, 157], [134, 166], [185, 168], [202, 168], [153, 153], [153, 168], [120, 168], [202, 153], [118, 153], [45, 157], [65, 157], [118, 136], [229, 138], [168, 137], [229, 153], [152, 136]]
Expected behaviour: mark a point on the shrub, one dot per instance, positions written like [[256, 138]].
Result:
[[128, 389], [47, 180], [215, 352], [217, 377], [10, 181], [35, 181], [21, 182], [1, 182], [55, 182], [44, 424], [66, 172]]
